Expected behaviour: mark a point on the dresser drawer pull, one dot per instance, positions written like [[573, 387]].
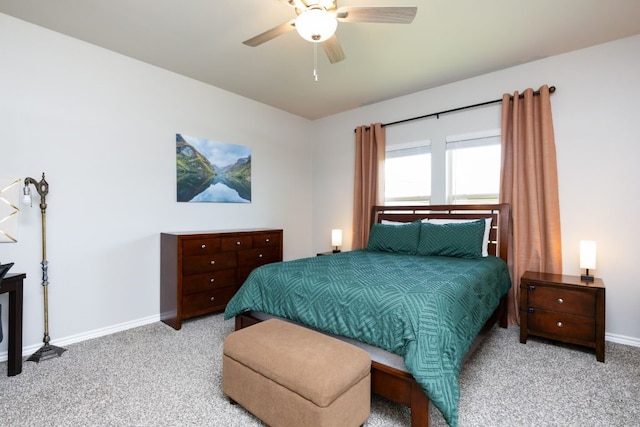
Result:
[[267, 240], [238, 243], [560, 301], [203, 246], [212, 298], [559, 324], [531, 287], [213, 261], [212, 280], [260, 256]]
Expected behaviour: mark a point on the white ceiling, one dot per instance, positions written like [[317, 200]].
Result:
[[449, 40]]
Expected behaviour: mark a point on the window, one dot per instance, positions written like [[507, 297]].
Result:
[[473, 167], [408, 173]]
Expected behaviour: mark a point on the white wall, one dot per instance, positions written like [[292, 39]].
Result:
[[102, 127], [597, 129]]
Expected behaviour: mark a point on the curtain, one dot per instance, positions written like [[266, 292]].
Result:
[[369, 180], [529, 183]]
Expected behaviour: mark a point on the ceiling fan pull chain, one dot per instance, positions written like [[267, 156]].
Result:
[[315, 61]]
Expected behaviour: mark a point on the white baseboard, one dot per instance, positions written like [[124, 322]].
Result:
[[96, 333], [621, 339], [28, 351]]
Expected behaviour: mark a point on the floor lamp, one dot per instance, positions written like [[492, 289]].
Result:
[[47, 350]]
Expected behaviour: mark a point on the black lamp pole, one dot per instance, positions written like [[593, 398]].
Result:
[[47, 350]]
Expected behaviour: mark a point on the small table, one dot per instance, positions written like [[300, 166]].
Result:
[[327, 253], [563, 308], [12, 283]]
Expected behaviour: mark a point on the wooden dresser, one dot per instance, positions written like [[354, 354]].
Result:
[[200, 272], [563, 308]]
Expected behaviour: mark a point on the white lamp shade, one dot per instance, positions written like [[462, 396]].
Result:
[[336, 237], [587, 254], [26, 196], [316, 25]]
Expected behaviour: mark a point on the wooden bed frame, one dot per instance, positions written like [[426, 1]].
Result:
[[392, 383]]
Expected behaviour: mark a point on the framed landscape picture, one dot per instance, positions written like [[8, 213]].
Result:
[[212, 171]]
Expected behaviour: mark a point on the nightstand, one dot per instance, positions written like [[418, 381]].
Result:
[[327, 253], [563, 308]]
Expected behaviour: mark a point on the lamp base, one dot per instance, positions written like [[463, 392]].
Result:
[[586, 278], [335, 251], [47, 351]]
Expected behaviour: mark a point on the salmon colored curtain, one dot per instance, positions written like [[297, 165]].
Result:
[[529, 183], [369, 180]]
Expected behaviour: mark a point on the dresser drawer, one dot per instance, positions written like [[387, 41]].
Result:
[[236, 243], [207, 263], [206, 302], [208, 281], [200, 246], [266, 240], [257, 257], [563, 325], [563, 300]]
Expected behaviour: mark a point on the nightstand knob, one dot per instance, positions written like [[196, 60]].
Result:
[[212, 298], [560, 301], [559, 324], [212, 280], [203, 246], [260, 256], [267, 240], [213, 261], [237, 243]]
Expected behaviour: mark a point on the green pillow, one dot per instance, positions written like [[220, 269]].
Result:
[[395, 238], [462, 240]]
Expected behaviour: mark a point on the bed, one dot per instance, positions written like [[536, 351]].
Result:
[[431, 283]]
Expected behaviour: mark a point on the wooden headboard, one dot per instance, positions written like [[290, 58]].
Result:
[[500, 213]]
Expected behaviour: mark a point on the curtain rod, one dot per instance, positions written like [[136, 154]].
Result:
[[438, 114]]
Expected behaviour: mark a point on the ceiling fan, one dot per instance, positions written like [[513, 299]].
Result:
[[317, 21]]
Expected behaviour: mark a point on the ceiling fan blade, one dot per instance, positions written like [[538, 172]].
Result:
[[383, 14], [333, 49], [271, 34]]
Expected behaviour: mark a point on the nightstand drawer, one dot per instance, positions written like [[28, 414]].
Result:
[[563, 300], [208, 281], [562, 325]]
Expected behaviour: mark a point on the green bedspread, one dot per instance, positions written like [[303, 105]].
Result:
[[426, 309]]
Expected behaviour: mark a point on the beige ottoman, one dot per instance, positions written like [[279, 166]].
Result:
[[288, 375]]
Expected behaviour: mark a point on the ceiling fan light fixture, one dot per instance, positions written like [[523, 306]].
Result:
[[316, 24]]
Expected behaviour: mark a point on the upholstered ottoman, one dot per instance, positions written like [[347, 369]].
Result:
[[288, 375]]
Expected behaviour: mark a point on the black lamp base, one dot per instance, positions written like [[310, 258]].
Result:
[[586, 278], [47, 351]]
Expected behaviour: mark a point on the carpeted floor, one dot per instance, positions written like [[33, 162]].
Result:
[[156, 376]]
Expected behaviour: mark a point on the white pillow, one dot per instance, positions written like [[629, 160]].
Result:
[[386, 221], [487, 229]]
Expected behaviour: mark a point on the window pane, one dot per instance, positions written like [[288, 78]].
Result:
[[408, 178], [474, 174]]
